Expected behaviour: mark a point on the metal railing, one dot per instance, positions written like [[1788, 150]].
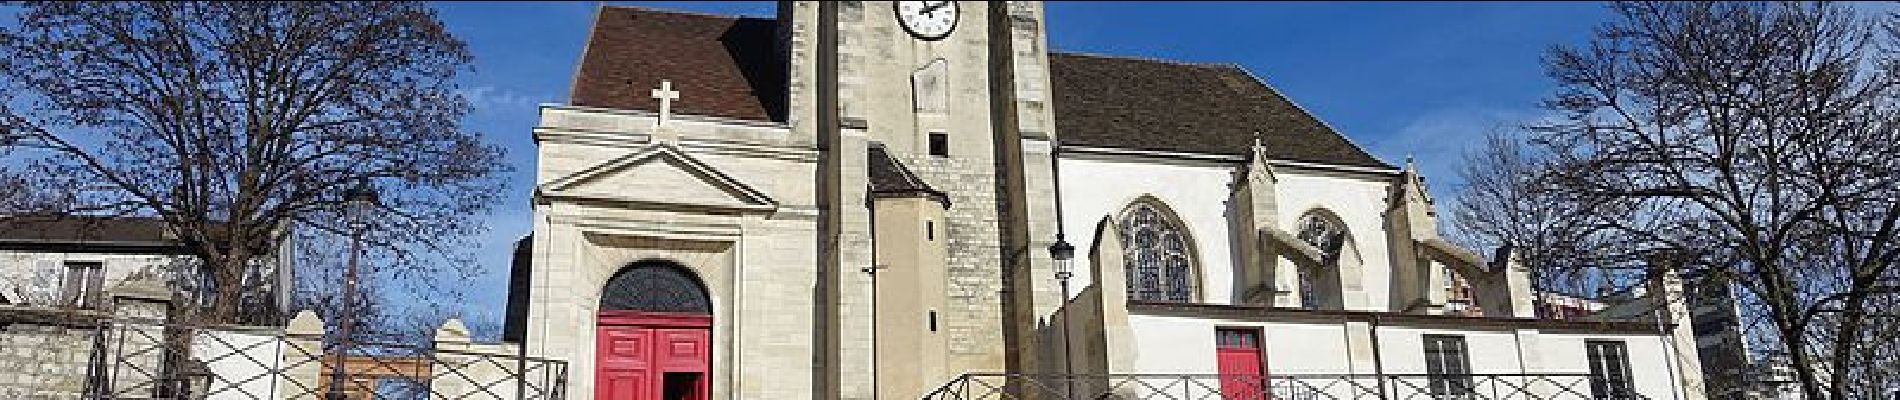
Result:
[[148, 359], [1002, 386]]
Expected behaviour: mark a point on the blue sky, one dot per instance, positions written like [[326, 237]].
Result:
[[1426, 79]]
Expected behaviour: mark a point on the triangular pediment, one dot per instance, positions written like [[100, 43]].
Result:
[[661, 174]]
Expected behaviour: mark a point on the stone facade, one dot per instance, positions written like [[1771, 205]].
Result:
[[42, 361], [730, 202], [823, 288], [48, 352]]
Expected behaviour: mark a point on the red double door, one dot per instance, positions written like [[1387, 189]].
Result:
[[653, 356], [1238, 352]]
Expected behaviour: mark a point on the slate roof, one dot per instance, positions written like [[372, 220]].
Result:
[[890, 178], [86, 234], [83, 229], [730, 67], [1201, 108], [722, 66]]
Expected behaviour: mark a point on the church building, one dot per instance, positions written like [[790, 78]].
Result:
[[879, 200]]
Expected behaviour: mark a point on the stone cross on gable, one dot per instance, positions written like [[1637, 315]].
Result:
[[666, 95]]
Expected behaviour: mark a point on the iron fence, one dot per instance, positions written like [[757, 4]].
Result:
[[1001, 386], [141, 359]]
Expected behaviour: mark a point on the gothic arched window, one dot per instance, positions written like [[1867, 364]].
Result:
[[656, 286], [1159, 255], [1324, 232]]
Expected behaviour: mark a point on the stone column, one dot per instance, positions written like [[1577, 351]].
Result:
[[138, 341], [1258, 208], [301, 369], [846, 263], [1531, 361], [1665, 288], [464, 369], [1418, 283], [1105, 262], [1095, 324]]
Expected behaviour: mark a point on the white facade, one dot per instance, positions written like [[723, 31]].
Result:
[[1371, 335]]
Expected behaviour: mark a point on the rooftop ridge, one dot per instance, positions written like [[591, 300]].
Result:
[[1140, 58], [653, 10]]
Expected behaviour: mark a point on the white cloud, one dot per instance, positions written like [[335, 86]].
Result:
[[490, 98], [1438, 140]]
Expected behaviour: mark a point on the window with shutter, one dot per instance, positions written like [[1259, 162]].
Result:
[[1609, 369], [83, 283], [1448, 366]]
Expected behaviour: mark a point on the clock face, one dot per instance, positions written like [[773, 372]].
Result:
[[927, 20]]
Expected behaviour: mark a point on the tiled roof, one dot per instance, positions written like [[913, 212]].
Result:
[[1167, 106], [890, 178], [722, 66], [82, 229], [730, 67]]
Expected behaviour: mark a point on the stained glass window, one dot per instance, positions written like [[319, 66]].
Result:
[[1328, 235], [655, 286], [1160, 267]]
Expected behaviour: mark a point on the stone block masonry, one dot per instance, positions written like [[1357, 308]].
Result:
[[975, 274], [43, 361]]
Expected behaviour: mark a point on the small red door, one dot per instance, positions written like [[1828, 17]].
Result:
[[1238, 352], [652, 356]]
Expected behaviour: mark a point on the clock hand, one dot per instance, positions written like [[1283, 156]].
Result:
[[928, 7]]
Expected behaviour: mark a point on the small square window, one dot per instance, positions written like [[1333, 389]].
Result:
[[83, 284], [939, 144]]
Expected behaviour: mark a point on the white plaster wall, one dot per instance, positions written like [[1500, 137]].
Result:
[[1172, 344], [1094, 186], [1360, 202], [1198, 193], [1492, 352], [1167, 344], [1652, 361]]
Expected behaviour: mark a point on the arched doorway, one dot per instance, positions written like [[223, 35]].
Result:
[[654, 335]]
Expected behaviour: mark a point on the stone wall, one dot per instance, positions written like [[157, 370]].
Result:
[[42, 360]]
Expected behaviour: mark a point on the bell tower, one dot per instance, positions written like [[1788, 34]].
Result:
[[957, 94]]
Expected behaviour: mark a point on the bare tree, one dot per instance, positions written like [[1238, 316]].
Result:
[[1755, 142], [391, 307], [1510, 201], [240, 123]]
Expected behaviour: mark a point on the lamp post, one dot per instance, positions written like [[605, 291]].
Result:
[[1064, 255], [358, 201]]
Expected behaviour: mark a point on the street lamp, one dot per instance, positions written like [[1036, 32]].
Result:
[[357, 201], [1064, 255]]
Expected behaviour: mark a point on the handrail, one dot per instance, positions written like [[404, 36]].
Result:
[[1182, 386]]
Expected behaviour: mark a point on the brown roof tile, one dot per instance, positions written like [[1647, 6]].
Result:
[[1167, 106], [730, 67], [80, 229], [890, 178], [722, 66]]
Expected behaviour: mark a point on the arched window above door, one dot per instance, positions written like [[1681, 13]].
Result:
[[1160, 258], [655, 286]]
